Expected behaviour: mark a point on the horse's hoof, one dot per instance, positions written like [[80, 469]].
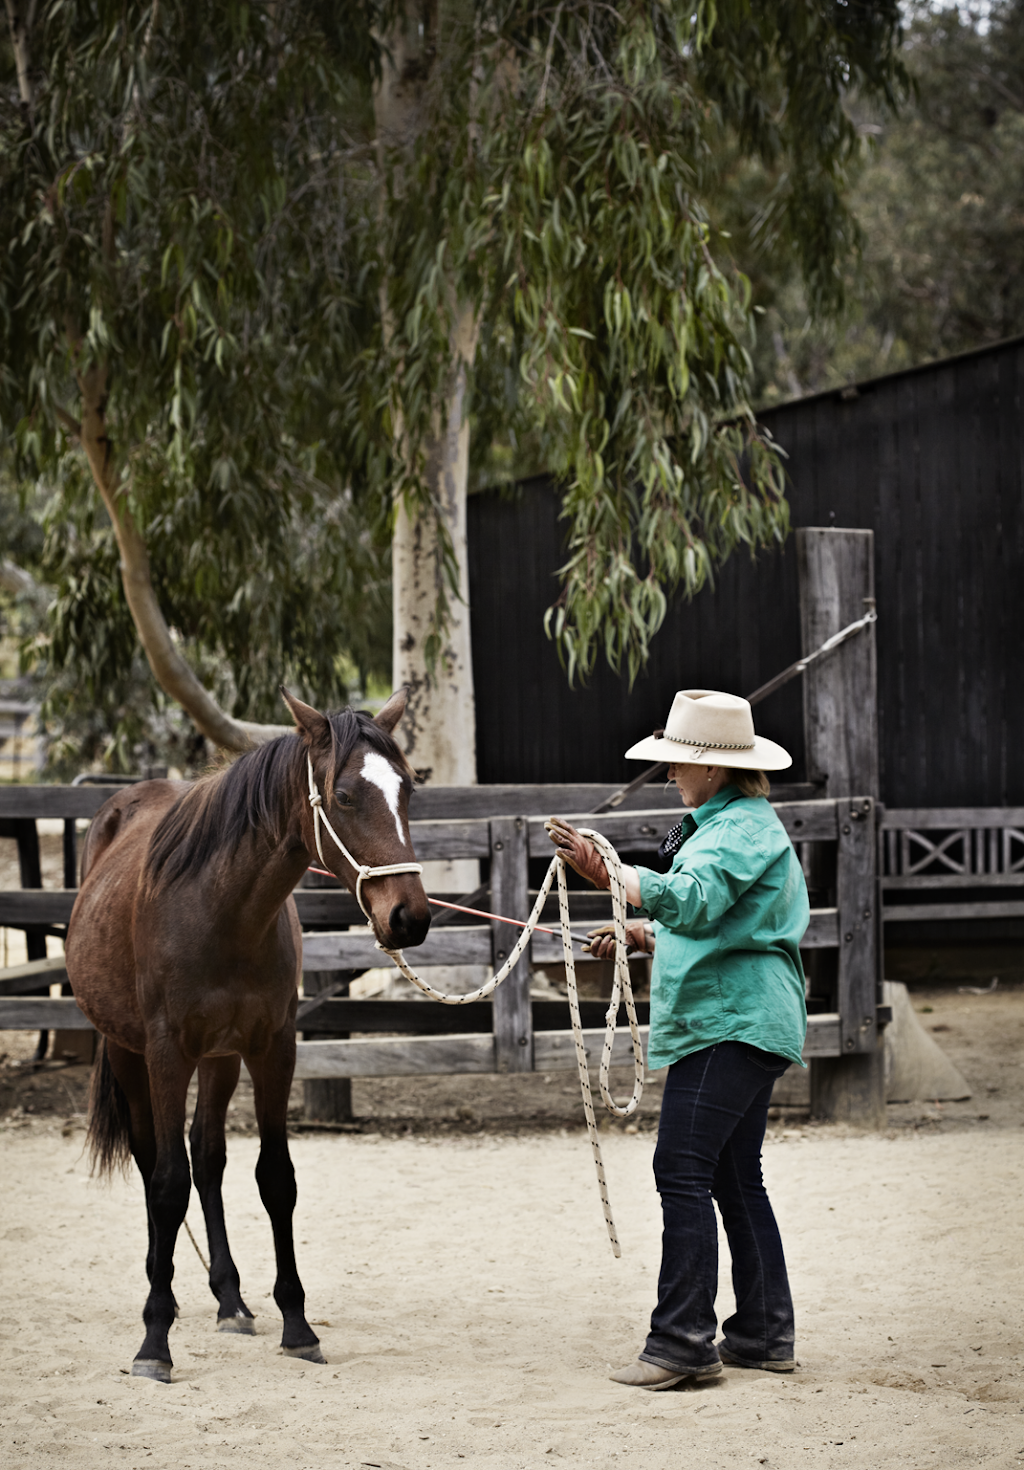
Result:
[[310, 1354], [152, 1368], [240, 1322]]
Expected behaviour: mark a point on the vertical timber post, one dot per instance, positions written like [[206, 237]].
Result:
[[325, 1099], [837, 586], [513, 1023]]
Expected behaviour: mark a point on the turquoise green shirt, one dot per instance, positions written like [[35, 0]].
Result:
[[728, 920]]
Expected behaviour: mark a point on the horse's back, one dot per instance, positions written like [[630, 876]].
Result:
[[100, 952]]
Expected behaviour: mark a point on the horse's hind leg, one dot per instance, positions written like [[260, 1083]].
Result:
[[218, 1077], [169, 1186], [129, 1070], [275, 1175]]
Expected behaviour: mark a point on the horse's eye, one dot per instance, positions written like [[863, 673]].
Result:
[[342, 798]]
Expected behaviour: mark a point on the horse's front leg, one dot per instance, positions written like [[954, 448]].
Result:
[[272, 1079], [169, 1186], [218, 1077]]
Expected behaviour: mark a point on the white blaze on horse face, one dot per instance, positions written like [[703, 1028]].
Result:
[[382, 774]]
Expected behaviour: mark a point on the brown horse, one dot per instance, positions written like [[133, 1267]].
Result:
[[184, 950]]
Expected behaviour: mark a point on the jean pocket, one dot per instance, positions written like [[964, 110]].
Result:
[[768, 1061]]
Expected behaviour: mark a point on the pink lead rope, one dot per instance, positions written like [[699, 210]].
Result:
[[478, 913]]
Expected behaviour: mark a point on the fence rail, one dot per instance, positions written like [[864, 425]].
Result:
[[512, 1032], [951, 853]]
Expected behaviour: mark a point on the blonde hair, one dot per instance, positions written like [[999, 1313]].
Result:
[[750, 783]]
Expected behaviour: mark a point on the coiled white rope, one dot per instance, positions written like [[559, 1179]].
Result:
[[621, 988]]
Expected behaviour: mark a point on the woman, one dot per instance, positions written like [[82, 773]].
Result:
[[727, 1018]]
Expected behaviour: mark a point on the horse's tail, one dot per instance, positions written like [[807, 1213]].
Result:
[[110, 1126]]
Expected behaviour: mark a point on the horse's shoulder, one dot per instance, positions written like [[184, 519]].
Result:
[[134, 810]]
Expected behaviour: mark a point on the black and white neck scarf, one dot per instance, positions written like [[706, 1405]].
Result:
[[672, 841]]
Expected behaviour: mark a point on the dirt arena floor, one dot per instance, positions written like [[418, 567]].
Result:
[[455, 1261]]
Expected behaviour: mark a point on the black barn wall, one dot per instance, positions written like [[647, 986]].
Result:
[[932, 460]]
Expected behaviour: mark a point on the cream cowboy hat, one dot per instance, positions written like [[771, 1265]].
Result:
[[713, 729]]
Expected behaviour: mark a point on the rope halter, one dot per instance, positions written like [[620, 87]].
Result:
[[385, 870]]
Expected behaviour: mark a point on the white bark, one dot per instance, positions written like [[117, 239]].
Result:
[[439, 728]]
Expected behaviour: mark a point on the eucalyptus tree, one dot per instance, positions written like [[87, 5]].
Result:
[[268, 267], [181, 314]]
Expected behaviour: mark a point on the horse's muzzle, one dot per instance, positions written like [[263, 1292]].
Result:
[[407, 928]]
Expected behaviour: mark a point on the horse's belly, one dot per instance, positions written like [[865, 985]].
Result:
[[101, 961]]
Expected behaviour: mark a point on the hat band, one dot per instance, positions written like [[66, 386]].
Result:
[[708, 744]]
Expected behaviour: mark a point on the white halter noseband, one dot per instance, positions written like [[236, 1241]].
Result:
[[363, 872]]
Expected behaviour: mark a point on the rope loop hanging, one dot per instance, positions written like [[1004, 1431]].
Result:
[[621, 990]]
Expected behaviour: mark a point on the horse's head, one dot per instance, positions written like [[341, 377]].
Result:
[[361, 782]]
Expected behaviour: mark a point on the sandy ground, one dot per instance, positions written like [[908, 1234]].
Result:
[[469, 1305]]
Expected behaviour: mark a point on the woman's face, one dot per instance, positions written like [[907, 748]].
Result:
[[696, 784]]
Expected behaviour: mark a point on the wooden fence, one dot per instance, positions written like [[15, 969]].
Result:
[[510, 1033]]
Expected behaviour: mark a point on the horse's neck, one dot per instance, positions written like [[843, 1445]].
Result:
[[264, 870]]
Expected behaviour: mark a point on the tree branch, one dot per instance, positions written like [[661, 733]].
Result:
[[21, 23], [170, 670], [66, 421]]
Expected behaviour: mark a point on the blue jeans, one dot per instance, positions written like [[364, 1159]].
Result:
[[713, 1118]]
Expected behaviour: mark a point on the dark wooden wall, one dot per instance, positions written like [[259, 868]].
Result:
[[932, 460]]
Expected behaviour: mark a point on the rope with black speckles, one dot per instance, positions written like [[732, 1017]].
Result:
[[621, 989]]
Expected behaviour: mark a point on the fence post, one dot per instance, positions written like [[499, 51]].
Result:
[[325, 1099], [837, 586], [513, 1024]]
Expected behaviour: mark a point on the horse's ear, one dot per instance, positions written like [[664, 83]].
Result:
[[310, 724], [393, 711]]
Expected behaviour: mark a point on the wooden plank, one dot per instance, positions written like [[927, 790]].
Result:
[[927, 818], [836, 569], [334, 906], [41, 1013], [808, 821], [510, 881], [900, 913], [35, 976], [555, 1051], [955, 880], [822, 931], [53, 801], [823, 1036], [19, 906], [455, 839], [415, 1056], [356, 950], [858, 925], [421, 1018], [444, 803]]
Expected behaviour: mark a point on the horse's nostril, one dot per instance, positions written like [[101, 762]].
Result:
[[405, 926]]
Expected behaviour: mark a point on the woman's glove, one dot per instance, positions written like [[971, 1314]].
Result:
[[639, 937], [580, 854]]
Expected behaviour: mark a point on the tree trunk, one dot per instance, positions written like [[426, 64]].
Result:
[[439, 727]]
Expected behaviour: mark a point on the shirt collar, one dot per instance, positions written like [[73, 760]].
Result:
[[711, 808]]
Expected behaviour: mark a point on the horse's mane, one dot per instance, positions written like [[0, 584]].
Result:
[[215, 814]]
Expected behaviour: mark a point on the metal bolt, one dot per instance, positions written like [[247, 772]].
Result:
[[849, 1044], [868, 1020], [847, 937], [524, 1041], [867, 913], [501, 954], [845, 829], [498, 846]]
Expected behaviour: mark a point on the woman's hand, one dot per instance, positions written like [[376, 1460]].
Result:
[[580, 854], [639, 937]]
